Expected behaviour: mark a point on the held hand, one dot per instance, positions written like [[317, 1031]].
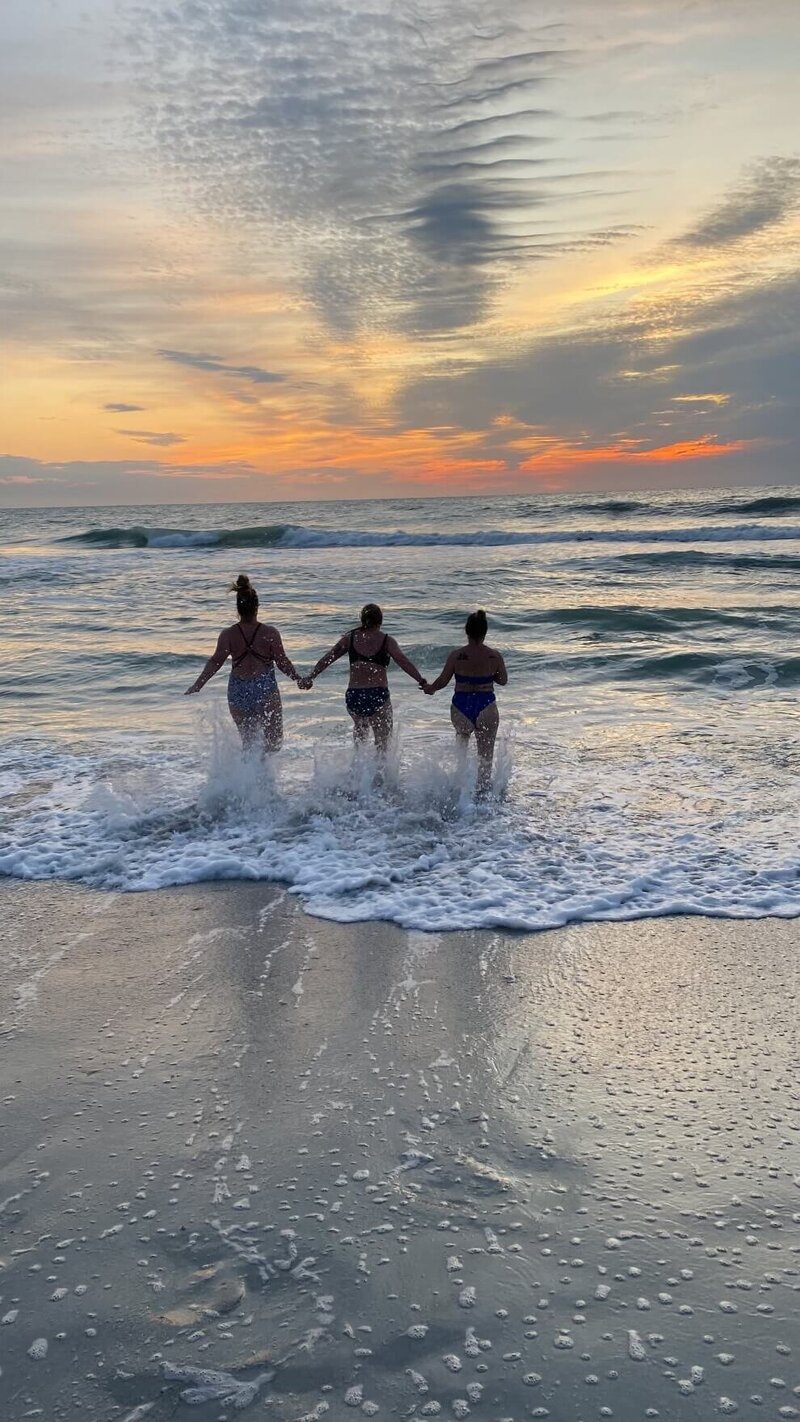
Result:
[[305, 683], [428, 689]]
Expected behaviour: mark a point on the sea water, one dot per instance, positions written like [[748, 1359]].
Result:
[[648, 756]]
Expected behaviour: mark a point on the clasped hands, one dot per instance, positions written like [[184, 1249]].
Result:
[[305, 683]]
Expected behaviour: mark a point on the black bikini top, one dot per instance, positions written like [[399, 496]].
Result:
[[249, 649], [380, 658]]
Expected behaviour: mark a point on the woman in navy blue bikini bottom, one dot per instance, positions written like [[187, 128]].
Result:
[[476, 668], [367, 697]]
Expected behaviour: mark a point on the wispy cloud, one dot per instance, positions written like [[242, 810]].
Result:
[[156, 437], [110, 480], [202, 361], [390, 153], [768, 192], [121, 408]]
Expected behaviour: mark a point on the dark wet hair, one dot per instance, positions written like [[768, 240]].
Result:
[[476, 625], [371, 615], [246, 597]]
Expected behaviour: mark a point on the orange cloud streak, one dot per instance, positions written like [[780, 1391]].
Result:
[[560, 455], [445, 457]]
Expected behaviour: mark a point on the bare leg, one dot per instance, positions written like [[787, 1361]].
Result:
[[463, 728], [247, 727], [361, 728], [272, 723], [485, 737], [381, 723], [268, 723]]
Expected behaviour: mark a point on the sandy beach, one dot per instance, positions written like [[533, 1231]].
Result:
[[256, 1161]]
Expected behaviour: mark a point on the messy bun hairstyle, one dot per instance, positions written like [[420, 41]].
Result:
[[246, 597], [371, 615], [476, 625]]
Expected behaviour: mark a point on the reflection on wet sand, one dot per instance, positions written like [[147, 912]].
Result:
[[252, 1159]]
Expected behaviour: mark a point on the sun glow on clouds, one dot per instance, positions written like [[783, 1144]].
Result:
[[374, 251]]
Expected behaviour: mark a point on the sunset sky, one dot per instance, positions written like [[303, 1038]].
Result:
[[271, 249]]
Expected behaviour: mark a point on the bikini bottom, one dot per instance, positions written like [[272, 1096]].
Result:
[[366, 700], [471, 703], [249, 694]]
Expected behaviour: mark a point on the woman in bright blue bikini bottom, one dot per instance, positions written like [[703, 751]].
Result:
[[477, 669]]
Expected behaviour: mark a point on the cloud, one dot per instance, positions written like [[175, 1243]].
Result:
[[112, 481], [769, 192], [644, 376], [203, 361], [154, 437], [391, 155], [121, 408]]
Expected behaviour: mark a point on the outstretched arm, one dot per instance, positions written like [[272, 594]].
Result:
[[215, 661], [500, 674], [444, 675], [337, 650], [403, 662], [280, 658]]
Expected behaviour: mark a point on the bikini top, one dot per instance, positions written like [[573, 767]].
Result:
[[249, 649], [380, 658], [474, 680]]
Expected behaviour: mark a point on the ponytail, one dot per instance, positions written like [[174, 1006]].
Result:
[[246, 597]]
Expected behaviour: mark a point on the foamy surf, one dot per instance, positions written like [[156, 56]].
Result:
[[408, 842]]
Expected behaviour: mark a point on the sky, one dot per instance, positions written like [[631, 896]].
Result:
[[304, 249]]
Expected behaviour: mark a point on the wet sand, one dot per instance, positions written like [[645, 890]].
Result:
[[253, 1162]]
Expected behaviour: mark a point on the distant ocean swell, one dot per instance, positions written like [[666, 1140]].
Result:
[[763, 506], [294, 536], [673, 559], [748, 670]]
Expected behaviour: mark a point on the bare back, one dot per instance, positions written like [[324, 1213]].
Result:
[[476, 660], [252, 647]]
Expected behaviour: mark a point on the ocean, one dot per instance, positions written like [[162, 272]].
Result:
[[649, 754]]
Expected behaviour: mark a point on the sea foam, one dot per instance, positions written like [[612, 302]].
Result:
[[571, 844]]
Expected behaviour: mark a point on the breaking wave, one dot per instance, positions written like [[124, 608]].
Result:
[[296, 536]]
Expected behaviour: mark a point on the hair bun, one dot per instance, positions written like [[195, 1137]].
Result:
[[242, 584]]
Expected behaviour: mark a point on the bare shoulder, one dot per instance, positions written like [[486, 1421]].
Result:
[[493, 652]]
